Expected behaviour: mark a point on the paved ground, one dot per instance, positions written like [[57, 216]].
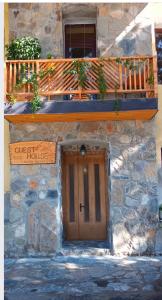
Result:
[[84, 277]]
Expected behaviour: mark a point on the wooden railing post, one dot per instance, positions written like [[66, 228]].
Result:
[[5, 82], [155, 76], [80, 92], [10, 78], [37, 69], [120, 77]]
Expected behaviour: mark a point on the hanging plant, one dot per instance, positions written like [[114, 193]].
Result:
[[80, 69], [12, 99], [117, 103], [101, 81], [49, 55], [33, 80], [150, 79], [129, 65]]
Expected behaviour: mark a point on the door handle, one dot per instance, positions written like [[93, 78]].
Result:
[[81, 206]]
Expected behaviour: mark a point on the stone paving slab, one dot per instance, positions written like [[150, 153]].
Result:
[[84, 277]]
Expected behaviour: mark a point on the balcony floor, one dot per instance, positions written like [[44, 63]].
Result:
[[76, 111]]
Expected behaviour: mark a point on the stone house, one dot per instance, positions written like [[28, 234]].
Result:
[[104, 183]]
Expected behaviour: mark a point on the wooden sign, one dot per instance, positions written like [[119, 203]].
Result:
[[35, 152]]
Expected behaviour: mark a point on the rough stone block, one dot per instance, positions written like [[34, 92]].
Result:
[[43, 227], [33, 184], [20, 231], [139, 244], [47, 29], [133, 226], [52, 194], [134, 190], [131, 202], [158, 243], [116, 215], [18, 185], [6, 207], [31, 195], [103, 11], [153, 205], [15, 215], [160, 176], [127, 45], [16, 200], [121, 239], [29, 202], [42, 194]]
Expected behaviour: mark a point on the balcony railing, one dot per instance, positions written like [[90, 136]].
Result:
[[126, 75]]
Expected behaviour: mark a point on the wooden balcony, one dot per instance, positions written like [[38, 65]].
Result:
[[130, 80]]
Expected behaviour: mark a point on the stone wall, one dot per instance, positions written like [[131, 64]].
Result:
[[34, 210], [41, 20], [124, 29], [121, 28], [158, 130], [33, 218]]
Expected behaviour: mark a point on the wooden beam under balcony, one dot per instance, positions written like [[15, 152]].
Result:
[[78, 111]]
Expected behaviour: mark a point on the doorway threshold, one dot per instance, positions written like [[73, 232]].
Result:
[[84, 248]]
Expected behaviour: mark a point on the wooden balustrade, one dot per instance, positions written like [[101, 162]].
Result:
[[136, 75]]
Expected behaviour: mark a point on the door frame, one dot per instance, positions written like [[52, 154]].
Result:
[[104, 146]]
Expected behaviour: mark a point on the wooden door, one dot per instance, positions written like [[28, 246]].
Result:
[[84, 196]]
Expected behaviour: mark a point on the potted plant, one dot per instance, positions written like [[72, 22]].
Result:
[[23, 48]]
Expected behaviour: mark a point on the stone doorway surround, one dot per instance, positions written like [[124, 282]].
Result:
[[90, 145]]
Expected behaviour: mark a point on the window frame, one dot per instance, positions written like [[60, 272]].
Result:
[[79, 22], [158, 31]]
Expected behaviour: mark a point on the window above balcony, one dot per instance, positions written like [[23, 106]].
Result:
[[80, 40]]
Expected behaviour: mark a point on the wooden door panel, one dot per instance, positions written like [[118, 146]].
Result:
[[91, 193], [95, 227], [70, 207], [85, 207]]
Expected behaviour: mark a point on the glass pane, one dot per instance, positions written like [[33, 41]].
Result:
[[80, 41], [86, 193], [80, 52], [76, 29], [71, 196], [97, 193]]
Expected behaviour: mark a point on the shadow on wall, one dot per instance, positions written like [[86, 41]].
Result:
[[128, 31], [136, 42], [134, 207]]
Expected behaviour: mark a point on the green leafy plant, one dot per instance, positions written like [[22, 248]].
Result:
[[23, 48], [101, 81], [129, 64], [49, 56], [34, 81], [150, 79], [79, 68], [117, 103], [12, 99]]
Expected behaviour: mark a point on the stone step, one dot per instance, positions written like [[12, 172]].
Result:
[[82, 248], [85, 252]]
